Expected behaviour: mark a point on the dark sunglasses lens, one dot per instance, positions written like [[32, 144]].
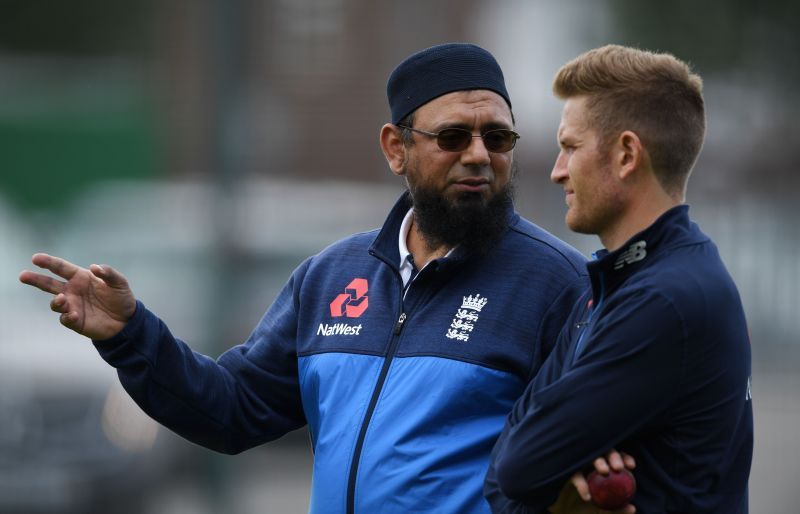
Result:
[[499, 140], [454, 140]]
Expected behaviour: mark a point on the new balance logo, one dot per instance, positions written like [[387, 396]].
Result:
[[353, 302], [634, 253], [466, 317]]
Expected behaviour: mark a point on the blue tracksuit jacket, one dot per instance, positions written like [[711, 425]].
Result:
[[654, 361], [404, 398]]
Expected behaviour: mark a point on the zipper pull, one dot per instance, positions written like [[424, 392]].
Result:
[[399, 326]]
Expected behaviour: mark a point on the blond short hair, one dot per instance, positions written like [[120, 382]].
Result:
[[654, 95]]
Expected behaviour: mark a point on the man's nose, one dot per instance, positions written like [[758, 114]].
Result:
[[559, 173], [476, 153]]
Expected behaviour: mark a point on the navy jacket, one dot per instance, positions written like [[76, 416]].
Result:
[[404, 398], [654, 361]]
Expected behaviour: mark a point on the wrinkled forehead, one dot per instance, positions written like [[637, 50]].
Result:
[[466, 107]]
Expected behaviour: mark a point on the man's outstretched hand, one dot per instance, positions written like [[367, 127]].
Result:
[[95, 302]]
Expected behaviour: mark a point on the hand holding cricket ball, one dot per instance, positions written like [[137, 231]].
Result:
[[609, 487], [612, 491]]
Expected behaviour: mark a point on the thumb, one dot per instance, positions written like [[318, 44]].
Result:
[[581, 485], [109, 275]]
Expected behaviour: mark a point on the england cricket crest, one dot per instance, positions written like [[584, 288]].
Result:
[[466, 317]]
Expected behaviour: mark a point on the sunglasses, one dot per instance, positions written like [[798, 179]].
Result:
[[458, 140]]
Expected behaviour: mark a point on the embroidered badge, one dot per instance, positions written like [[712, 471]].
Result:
[[466, 316]]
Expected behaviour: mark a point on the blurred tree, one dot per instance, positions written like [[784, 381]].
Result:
[[717, 36], [77, 27], [75, 103], [748, 48]]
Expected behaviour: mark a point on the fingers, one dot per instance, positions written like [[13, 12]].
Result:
[[60, 267], [601, 465], [579, 481], [630, 462], [43, 282], [69, 319], [109, 275], [67, 270], [614, 460], [59, 303]]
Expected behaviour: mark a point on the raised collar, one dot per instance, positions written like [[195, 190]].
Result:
[[672, 229], [385, 244]]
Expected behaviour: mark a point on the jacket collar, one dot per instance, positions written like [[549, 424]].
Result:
[[670, 230], [384, 245]]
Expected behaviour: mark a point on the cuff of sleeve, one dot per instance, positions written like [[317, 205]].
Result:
[[110, 347]]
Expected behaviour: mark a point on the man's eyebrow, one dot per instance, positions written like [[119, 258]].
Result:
[[452, 124], [495, 125], [492, 125], [565, 141]]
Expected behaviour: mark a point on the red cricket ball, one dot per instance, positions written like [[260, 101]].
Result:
[[612, 491]]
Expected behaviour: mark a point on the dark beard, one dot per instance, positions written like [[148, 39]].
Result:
[[469, 221]]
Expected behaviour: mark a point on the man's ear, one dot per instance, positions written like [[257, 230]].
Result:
[[629, 154], [393, 148]]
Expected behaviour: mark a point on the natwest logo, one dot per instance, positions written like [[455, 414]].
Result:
[[353, 302]]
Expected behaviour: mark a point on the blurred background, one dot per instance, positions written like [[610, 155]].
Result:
[[205, 147]]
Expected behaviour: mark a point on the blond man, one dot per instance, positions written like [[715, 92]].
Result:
[[655, 358]]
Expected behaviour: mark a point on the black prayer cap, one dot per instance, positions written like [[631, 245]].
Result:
[[439, 70]]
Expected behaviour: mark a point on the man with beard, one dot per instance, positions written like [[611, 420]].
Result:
[[402, 348]]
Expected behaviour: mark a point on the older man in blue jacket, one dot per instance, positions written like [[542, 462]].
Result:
[[402, 348]]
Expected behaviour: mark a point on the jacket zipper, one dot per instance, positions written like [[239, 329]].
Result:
[[351, 479], [586, 325], [351, 482], [399, 325]]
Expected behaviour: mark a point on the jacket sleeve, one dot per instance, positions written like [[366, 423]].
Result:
[[248, 396], [628, 371]]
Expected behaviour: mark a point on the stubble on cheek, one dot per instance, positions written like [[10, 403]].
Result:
[[573, 221]]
